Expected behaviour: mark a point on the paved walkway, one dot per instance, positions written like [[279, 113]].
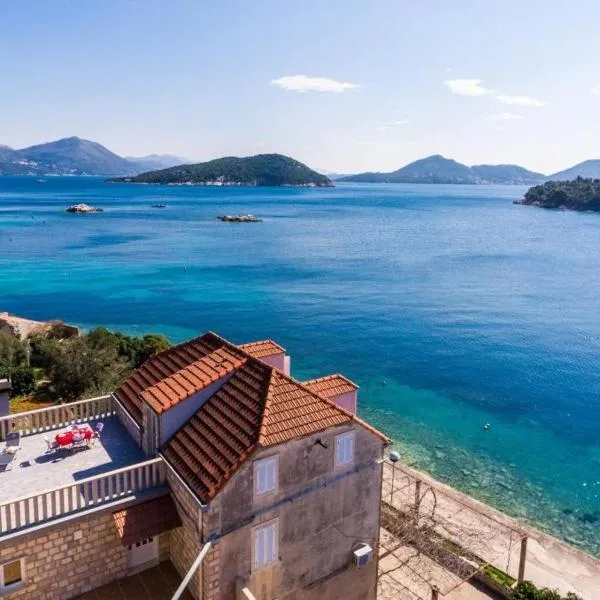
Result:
[[157, 583], [495, 537]]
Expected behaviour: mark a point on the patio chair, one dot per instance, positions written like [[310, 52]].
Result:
[[50, 444], [13, 439], [5, 460], [99, 428]]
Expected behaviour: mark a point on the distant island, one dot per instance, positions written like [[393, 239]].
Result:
[[437, 169], [579, 194], [76, 156], [259, 170]]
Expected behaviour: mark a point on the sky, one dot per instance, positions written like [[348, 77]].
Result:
[[342, 85]]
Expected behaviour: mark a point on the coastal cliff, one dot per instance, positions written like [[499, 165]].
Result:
[[259, 170]]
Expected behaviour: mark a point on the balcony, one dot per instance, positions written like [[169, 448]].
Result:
[[42, 486]]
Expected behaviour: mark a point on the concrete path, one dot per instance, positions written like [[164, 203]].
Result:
[[494, 536]]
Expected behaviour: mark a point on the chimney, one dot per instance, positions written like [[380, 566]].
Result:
[[5, 389]]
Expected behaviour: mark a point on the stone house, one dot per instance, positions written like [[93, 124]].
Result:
[[251, 483]]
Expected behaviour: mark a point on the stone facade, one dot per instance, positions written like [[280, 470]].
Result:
[[185, 541], [322, 514], [62, 563]]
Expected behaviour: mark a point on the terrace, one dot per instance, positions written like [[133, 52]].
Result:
[[41, 485]]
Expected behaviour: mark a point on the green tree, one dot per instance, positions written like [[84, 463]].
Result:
[[12, 351], [86, 365], [152, 344]]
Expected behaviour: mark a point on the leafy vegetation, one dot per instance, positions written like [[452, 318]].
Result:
[[500, 577], [259, 170], [528, 591], [71, 368], [578, 194]]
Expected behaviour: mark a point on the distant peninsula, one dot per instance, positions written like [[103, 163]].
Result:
[[579, 194], [259, 170], [438, 169]]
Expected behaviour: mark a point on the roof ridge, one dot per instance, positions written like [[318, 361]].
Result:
[[265, 411], [328, 377], [341, 409]]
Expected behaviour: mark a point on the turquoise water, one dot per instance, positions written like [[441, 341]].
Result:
[[449, 305]]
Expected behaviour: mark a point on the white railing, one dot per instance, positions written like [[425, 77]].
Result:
[[80, 495], [56, 417]]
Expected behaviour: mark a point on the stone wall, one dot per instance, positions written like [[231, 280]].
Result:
[[185, 541], [132, 428], [322, 513], [62, 563]]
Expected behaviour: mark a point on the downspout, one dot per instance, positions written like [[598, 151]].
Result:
[[195, 566]]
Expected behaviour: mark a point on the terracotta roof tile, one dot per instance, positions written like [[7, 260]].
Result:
[[331, 385], [262, 348], [146, 520], [257, 406], [174, 361]]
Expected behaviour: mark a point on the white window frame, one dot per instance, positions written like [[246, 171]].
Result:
[[345, 445], [266, 476], [17, 585], [258, 561]]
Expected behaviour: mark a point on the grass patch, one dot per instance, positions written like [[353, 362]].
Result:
[[499, 576], [20, 404]]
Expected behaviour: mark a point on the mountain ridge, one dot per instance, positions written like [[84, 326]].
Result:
[[438, 169]]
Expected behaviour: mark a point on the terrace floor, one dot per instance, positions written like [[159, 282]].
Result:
[[34, 470], [157, 583]]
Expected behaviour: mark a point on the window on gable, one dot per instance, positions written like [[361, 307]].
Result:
[[12, 574], [266, 543], [344, 449], [265, 475]]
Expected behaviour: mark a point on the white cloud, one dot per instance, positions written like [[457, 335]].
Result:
[[366, 143], [520, 100], [400, 122], [467, 87], [382, 128], [505, 116], [596, 90], [302, 83]]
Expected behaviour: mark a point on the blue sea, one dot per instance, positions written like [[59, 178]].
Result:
[[449, 306]]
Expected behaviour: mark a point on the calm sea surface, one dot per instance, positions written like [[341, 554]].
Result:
[[449, 305]]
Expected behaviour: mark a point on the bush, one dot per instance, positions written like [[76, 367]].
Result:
[[528, 591], [22, 380], [12, 351]]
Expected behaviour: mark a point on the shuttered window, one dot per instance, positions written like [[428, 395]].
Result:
[[12, 574], [344, 449], [265, 475], [266, 542]]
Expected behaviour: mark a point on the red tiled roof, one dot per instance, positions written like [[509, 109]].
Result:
[[331, 385], [146, 520], [262, 349], [187, 381], [257, 406], [211, 446], [161, 367]]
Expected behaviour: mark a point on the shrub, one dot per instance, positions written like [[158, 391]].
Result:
[[22, 380], [528, 591]]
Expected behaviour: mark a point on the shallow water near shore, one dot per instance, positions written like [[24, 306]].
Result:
[[450, 307]]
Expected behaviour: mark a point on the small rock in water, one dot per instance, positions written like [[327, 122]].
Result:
[[83, 208], [239, 219]]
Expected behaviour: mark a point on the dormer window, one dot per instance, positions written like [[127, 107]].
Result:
[[266, 475], [344, 449]]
